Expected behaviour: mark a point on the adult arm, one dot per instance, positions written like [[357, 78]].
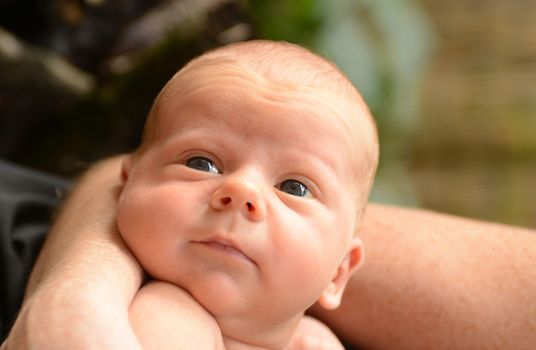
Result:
[[85, 277], [433, 281], [429, 280]]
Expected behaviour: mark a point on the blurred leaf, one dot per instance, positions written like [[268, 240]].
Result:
[[294, 21]]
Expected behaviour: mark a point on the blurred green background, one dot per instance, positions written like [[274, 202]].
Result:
[[451, 84]]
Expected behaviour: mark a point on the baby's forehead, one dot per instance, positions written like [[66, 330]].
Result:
[[284, 69], [304, 90], [280, 63], [288, 70]]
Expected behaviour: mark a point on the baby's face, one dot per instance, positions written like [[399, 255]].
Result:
[[246, 197]]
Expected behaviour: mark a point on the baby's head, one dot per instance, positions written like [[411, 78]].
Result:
[[288, 68], [252, 177]]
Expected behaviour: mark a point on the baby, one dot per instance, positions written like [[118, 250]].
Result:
[[244, 198]]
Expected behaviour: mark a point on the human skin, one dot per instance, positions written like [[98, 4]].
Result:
[[180, 322], [435, 281], [253, 253], [430, 281], [164, 316]]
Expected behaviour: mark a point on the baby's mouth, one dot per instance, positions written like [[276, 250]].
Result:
[[225, 246]]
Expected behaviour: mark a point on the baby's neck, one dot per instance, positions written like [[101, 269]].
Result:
[[243, 336], [233, 344]]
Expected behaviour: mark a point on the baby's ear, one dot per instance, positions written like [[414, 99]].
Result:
[[126, 165], [332, 295]]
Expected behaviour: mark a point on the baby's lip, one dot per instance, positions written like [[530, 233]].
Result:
[[226, 245]]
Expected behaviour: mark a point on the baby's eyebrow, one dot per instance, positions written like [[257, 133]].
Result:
[[314, 163]]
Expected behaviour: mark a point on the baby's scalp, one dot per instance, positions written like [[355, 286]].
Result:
[[283, 67]]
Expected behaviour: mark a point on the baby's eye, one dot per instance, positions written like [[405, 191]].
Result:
[[294, 187], [202, 164]]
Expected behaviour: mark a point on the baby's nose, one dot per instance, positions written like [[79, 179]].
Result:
[[240, 194]]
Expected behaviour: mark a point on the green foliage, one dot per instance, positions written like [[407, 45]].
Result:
[[295, 21]]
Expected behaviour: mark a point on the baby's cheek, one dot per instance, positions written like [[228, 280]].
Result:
[[147, 221], [131, 217], [132, 228], [122, 215]]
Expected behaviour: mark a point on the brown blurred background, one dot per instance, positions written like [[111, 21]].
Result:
[[475, 143], [451, 84]]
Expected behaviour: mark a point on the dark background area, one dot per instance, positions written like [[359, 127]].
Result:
[[78, 78]]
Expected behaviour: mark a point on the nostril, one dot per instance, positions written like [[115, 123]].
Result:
[[250, 206], [225, 200]]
